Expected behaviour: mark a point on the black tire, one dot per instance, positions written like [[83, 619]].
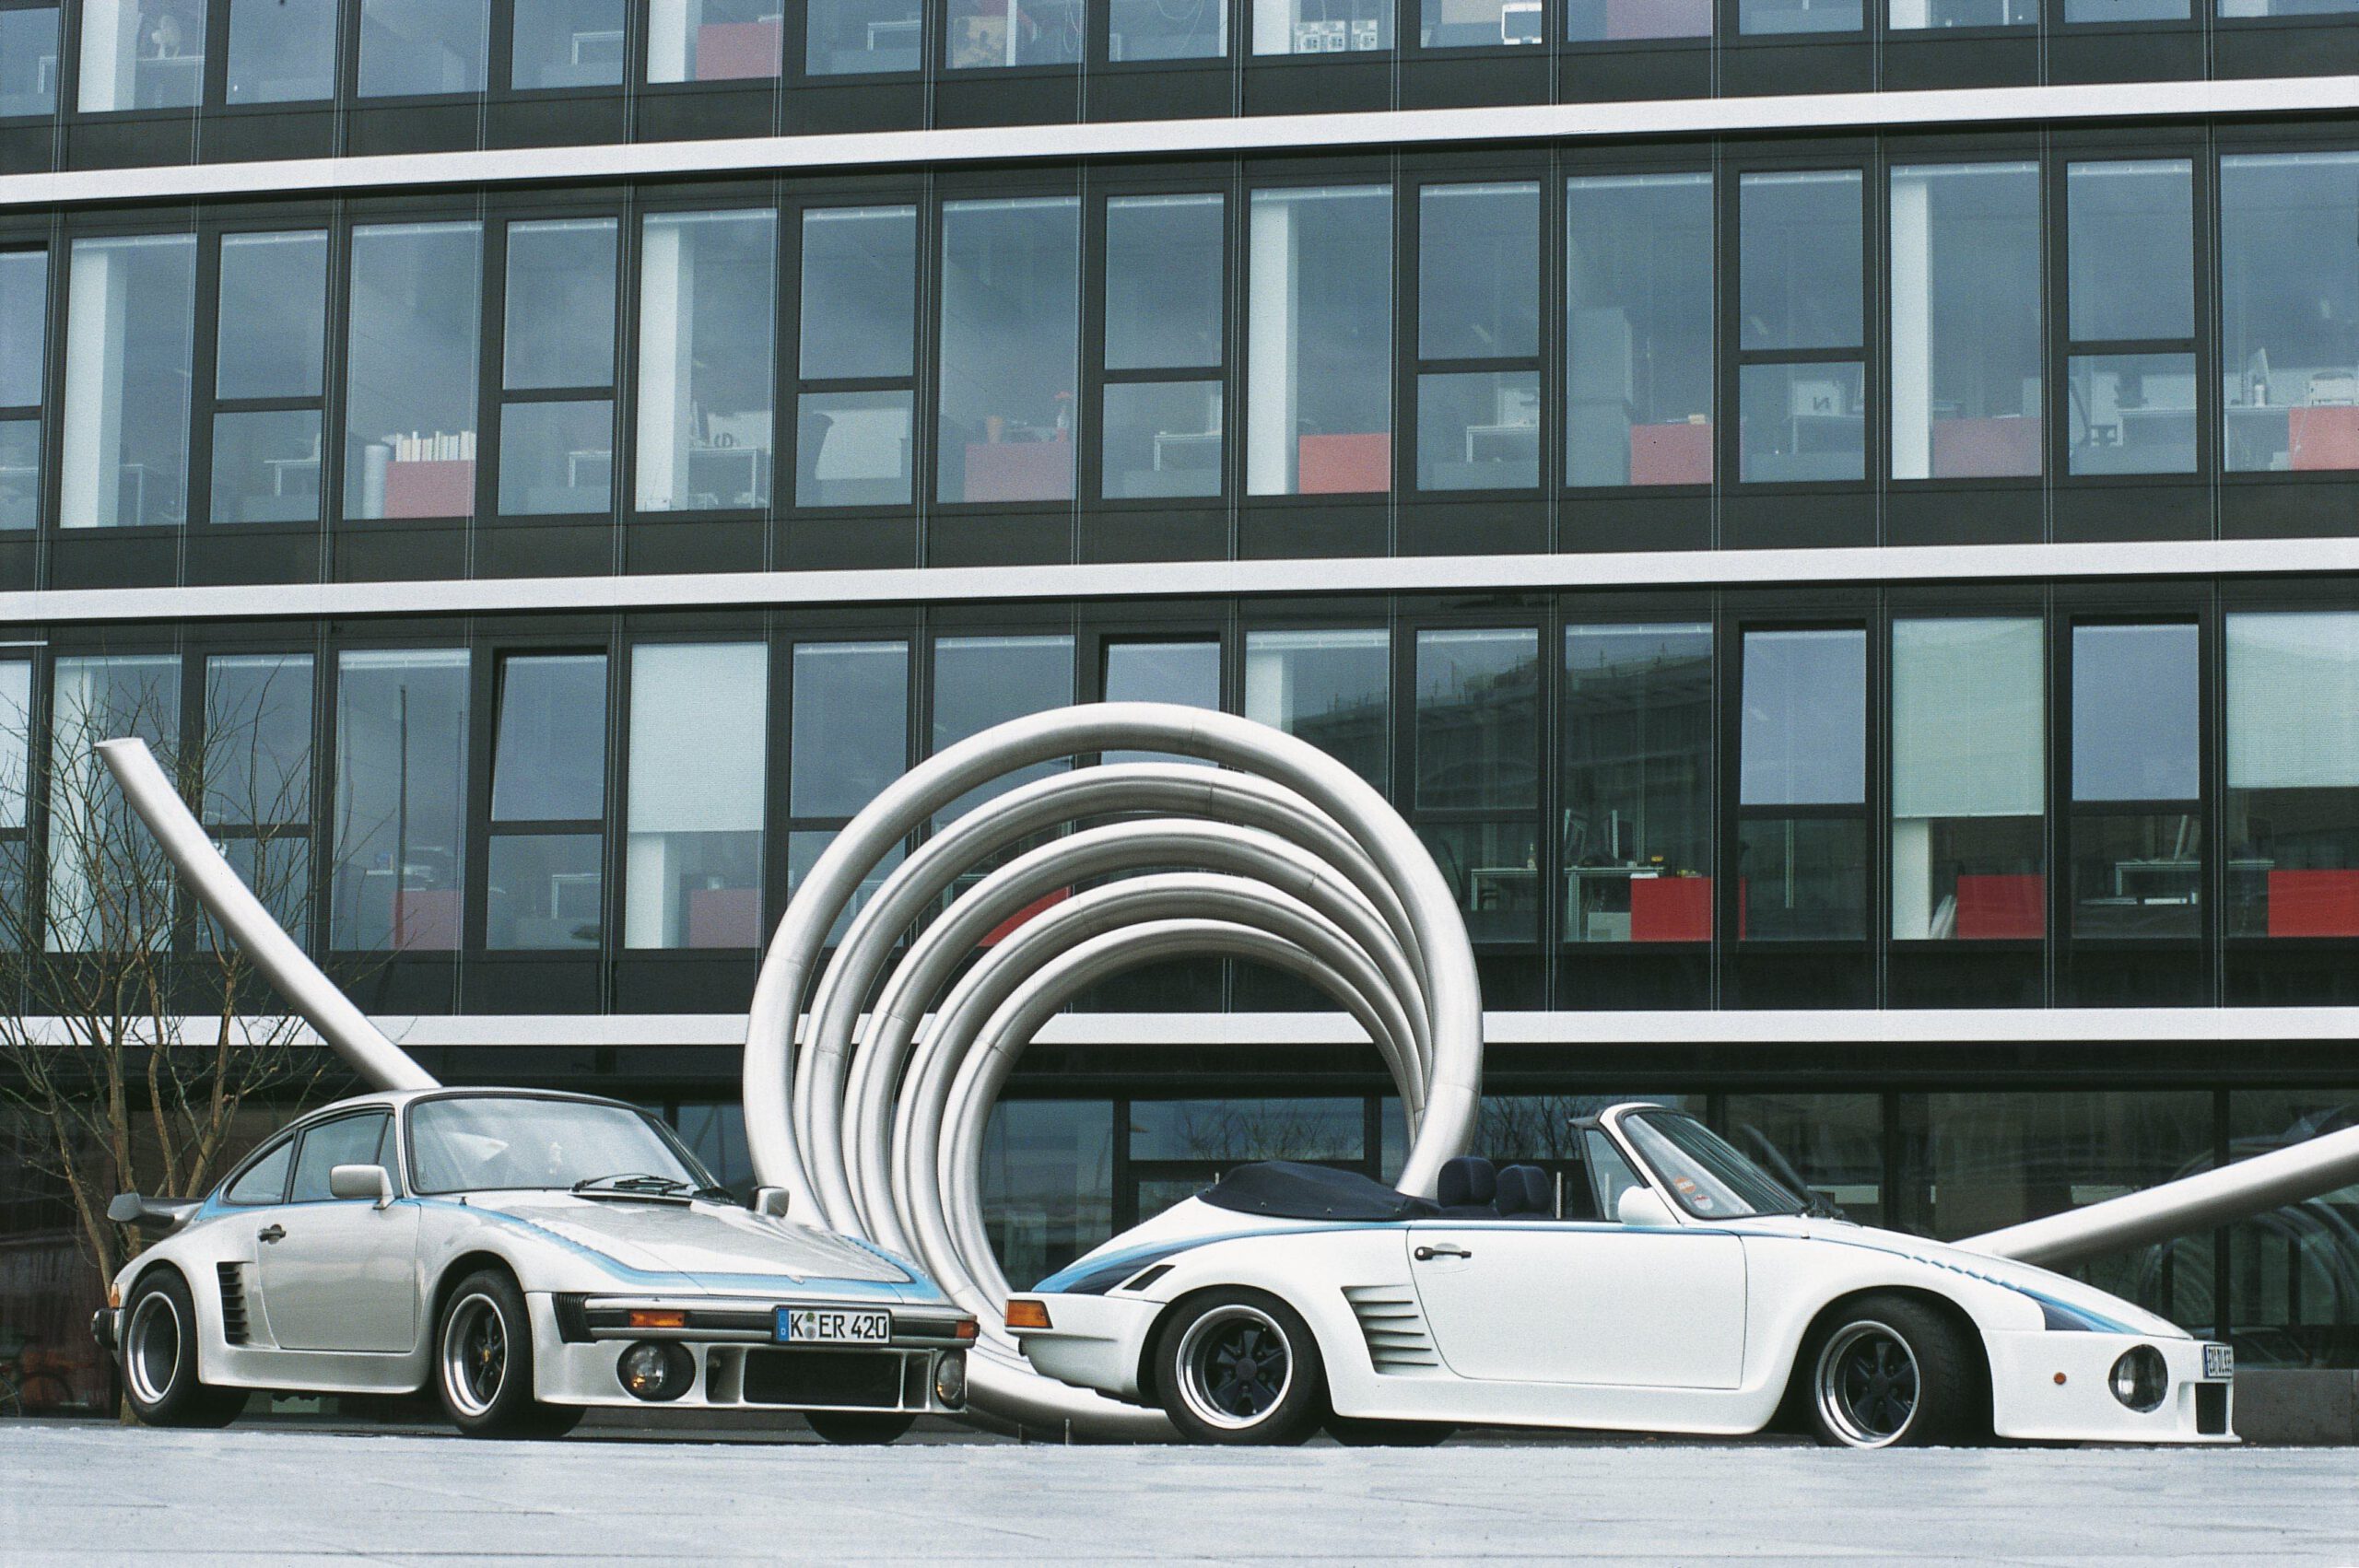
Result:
[[1239, 1367], [159, 1351], [483, 1362], [860, 1429], [1353, 1432], [1887, 1372]]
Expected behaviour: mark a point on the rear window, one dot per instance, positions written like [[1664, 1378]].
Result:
[[265, 1181]]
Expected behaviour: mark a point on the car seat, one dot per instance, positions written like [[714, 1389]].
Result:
[[1526, 1193], [1466, 1187]]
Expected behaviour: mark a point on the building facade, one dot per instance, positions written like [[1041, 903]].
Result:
[[1836, 522]]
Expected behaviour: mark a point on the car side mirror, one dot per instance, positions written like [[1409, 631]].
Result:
[[772, 1201], [373, 1183], [1641, 1207]]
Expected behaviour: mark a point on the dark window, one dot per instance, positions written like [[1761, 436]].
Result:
[[267, 383], [348, 1141], [1010, 306], [1801, 382], [1163, 427], [265, 1181], [982, 681], [2289, 311], [401, 790], [1966, 326], [859, 37], [282, 51], [411, 48], [1478, 772], [548, 797], [856, 413], [849, 741], [24, 341], [1637, 783], [1330, 687], [1801, 785], [567, 44], [1478, 337], [1048, 1183], [2130, 305], [29, 62], [1615, 21], [2137, 822], [410, 398], [556, 442], [256, 765], [1639, 330]]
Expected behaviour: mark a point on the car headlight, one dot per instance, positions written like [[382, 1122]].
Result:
[[950, 1379], [656, 1372], [2140, 1379]]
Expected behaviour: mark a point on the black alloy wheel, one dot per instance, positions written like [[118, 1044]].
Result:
[[483, 1362], [1240, 1366], [1891, 1372]]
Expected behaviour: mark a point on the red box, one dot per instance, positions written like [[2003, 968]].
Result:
[[1997, 907], [1986, 449], [724, 917], [445, 489], [1671, 455], [1670, 908], [2314, 904], [729, 52], [1019, 471], [2324, 437], [1337, 465]]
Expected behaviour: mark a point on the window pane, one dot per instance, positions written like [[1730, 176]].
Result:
[[1183, 673], [410, 47], [19, 473], [2134, 10], [699, 722], [1756, 17], [860, 289], [715, 41], [1010, 299], [2137, 874], [1319, 368], [2294, 1266], [1480, 24], [1154, 29], [129, 327], [29, 62], [987, 34], [282, 51], [557, 458], [1968, 791], [2131, 251], [257, 760], [1637, 783], [1799, 258], [1327, 688], [1965, 292], [851, 37], [982, 681], [401, 790], [267, 466], [351, 1141], [1639, 330], [706, 348], [1479, 430], [1803, 879], [2293, 782], [853, 448], [1478, 722], [1226, 1131], [273, 315], [850, 738], [560, 304], [1478, 272], [1163, 282], [1828, 1143], [2134, 700], [1048, 1183], [1492, 868], [24, 324], [142, 54], [542, 892], [1802, 735], [1906, 16], [107, 883], [265, 1181], [276, 865], [1322, 26], [1162, 439], [410, 419], [568, 43], [2289, 295], [1604, 21], [548, 761], [2132, 413], [1802, 422]]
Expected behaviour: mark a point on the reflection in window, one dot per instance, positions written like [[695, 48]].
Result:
[[1801, 785], [256, 765], [1010, 301], [852, 441], [2293, 778], [558, 455], [1637, 783], [851, 737], [1477, 772], [282, 51], [271, 348], [1327, 688], [718, 41], [692, 874], [1163, 436], [1801, 422], [548, 792], [1048, 1183], [1824, 1143], [706, 346], [1639, 330], [2138, 825], [2130, 413], [1480, 24], [1966, 293], [2296, 1268], [2133, 10], [29, 62], [2289, 305], [410, 48], [1228, 1132], [2130, 231], [1322, 26], [1910, 16], [1760, 18], [410, 403], [858, 37], [1968, 792], [1160, 29], [24, 341], [401, 789], [1613, 21], [1800, 283], [989, 34], [1478, 299], [106, 885], [1318, 394], [982, 681], [142, 54], [1187, 673], [129, 330], [567, 44]]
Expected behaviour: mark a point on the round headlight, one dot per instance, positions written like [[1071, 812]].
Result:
[[2140, 1378], [950, 1379], [656, 1372]]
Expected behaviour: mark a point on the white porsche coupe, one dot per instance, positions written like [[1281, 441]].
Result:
[[1682, 1288], [526, 1255]]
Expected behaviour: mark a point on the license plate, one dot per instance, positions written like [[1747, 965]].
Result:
[[2219, 1363], [832, 1326]]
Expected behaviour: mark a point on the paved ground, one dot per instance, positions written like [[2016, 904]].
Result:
[[89, 1492]]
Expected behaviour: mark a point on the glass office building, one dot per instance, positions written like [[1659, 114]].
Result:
[[1864, 618]]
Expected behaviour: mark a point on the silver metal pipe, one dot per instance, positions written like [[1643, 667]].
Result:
[[312, 996]]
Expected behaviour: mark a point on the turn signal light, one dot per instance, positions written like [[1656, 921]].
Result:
[[642, 1320], [1022, 1314], [967, 1328]]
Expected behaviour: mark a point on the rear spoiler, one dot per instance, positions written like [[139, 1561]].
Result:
[[159, 1214]]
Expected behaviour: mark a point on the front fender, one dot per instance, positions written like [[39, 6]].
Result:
[[1794, 1280]]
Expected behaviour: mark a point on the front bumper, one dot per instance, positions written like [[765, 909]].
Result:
[[2055, 1385], [1093, 1342]]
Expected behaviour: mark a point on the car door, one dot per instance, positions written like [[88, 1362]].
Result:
[[340, 1274]]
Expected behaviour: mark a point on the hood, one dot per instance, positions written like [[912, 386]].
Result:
[[717, 1247]]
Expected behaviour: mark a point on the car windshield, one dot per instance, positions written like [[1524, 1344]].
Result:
[[1703, 1171], [486, 1142]]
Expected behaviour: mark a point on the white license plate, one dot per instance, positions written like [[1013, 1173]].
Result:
[[832, 1326], [2219, 1363]]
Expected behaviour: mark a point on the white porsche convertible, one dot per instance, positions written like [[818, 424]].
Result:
[[1681, 1288], [526, 1255]]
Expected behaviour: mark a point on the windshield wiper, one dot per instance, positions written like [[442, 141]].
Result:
[[633, 1184]]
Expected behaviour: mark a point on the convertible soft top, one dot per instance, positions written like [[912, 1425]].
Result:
[[1288, 1189]]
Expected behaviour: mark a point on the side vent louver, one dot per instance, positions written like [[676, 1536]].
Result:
[[1398, 1341], [233, 1302]]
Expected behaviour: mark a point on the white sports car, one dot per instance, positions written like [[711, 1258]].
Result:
[[1684, 1289], [527, 1255]]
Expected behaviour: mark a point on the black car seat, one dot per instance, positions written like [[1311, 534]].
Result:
[[1526, 1193], [1466, 1188]]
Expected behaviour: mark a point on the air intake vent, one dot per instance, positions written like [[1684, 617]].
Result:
[[1394, 1327], [233, 1302]]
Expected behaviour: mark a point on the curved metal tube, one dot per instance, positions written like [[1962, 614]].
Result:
[[224, 896]]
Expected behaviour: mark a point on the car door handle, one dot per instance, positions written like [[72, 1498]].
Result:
[[271, 1233], [1428, 1254]]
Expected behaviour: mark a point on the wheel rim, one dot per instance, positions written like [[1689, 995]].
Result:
[[475, 1354], [1869, 1385], [151, 1359], [1235, 1368]]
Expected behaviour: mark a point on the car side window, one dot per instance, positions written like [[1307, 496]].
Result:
[[265, 1181], [348, 1141], [1610, 1174]]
